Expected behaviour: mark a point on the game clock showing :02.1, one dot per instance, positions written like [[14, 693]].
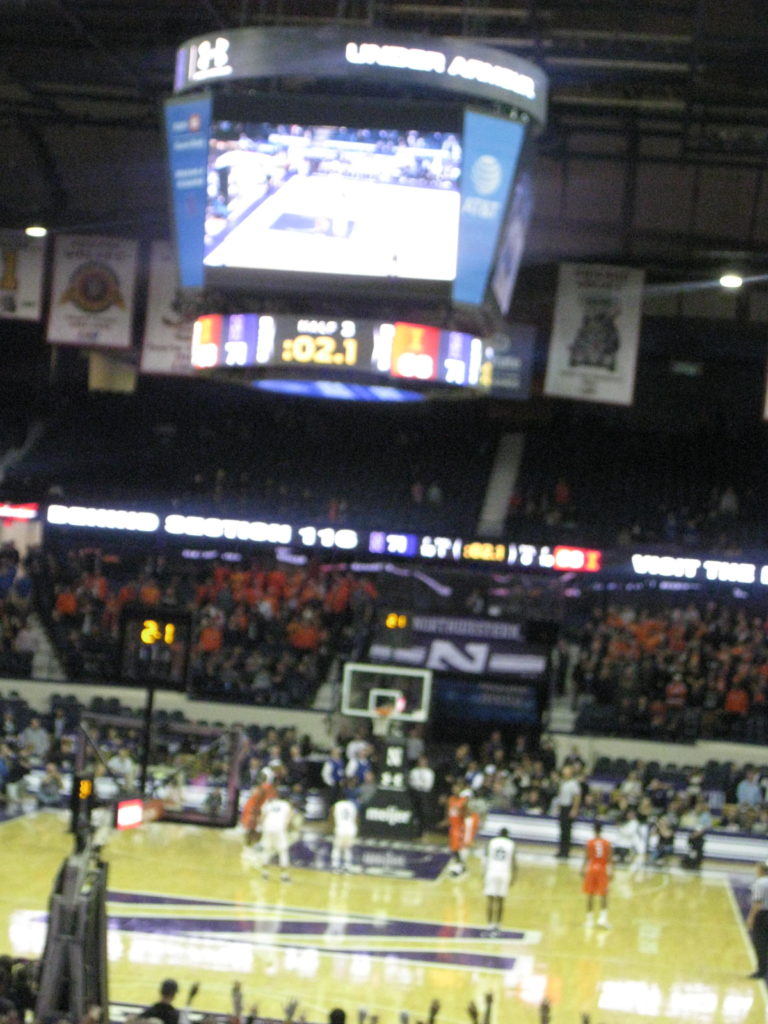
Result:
[[322, 343]]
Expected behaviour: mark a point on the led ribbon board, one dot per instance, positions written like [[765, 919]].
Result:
[[460, 67]]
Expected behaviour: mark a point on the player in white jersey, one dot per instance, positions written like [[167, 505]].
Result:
[[500, 873], [344, 817], [276, 815]]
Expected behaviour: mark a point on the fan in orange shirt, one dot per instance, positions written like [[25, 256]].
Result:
[[209, 638], [65, 606]]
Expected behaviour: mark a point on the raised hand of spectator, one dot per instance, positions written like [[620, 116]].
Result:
[[434, 1009], [290, 1009], [488, 1005]]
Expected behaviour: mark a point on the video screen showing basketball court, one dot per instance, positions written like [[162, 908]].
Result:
[[369, 202]]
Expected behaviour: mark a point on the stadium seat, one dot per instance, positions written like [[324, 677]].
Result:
[[602, 766]]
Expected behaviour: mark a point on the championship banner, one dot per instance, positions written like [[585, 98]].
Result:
[[595, 334], [167, 344], [22, 264], [92, 294]]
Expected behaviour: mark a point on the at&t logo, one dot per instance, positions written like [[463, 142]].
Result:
[[486, 175]]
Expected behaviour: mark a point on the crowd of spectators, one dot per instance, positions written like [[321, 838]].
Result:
[[166, 1012], [673, 673], [522, 776], [686, 491], [261, 632], [517, 775], [17, 642], [225, 449], [287, 459], [18, 988], [554, 510], [39, 752]]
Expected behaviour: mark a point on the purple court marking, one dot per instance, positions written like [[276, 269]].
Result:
[[424, 863], [115, 896], [441, 958], [742, 891], [444, 958], [475, 960], [333, 925]]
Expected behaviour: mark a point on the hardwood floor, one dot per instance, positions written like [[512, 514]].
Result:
[[395, 934]]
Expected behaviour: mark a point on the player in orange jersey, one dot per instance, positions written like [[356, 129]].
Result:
[[597, 871], [455, 820], [473, 819], [251, 813]]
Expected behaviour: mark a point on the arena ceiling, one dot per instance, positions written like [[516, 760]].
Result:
[[654, 155]]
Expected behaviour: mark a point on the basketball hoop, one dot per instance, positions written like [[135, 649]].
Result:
[[381, 717]]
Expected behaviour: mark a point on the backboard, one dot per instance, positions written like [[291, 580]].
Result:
[[402, 694]]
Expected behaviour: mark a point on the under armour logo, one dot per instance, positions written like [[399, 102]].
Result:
[[212, 58]]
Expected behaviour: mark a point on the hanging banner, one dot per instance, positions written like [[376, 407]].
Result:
[[167, 344], [595, 334], [513, 235], [513, 354], [92, 294], [22, 263]]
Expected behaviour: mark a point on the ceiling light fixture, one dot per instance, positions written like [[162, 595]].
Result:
[[36, 231], [731, 280]]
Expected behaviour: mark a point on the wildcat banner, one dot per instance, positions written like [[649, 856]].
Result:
[[595, 334]]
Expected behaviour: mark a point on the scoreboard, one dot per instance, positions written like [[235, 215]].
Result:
[[398, 351], [393, 171]]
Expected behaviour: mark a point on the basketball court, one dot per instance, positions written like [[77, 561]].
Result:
[[394, 934], [348, 227]]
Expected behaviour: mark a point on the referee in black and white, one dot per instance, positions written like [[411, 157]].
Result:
[[757, 919], [568, 804]]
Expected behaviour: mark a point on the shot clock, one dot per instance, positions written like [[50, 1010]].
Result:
[[81, 804], [154, 646]]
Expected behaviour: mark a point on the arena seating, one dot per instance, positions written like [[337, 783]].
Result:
[[227, 448]]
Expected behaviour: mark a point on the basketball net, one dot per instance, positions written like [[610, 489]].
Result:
[[381, 717]]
